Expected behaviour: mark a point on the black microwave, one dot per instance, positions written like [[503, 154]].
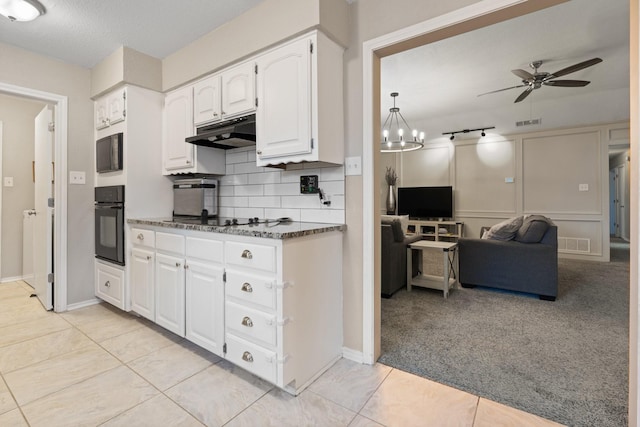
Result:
[[109, 153]]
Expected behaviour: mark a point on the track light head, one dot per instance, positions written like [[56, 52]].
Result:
[[452, 137], [483, 134]]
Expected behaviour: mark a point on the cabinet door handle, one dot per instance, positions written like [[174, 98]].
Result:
[[259, 152], [107, 284], [215, 114], [246, 287], [246, 321], [141, 237], [149, 257], [247, 357], [177, 264], [247, 254]]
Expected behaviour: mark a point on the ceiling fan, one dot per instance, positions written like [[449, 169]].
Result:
[[539, 78]]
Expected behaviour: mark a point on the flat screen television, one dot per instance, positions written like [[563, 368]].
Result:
[[426, 202]]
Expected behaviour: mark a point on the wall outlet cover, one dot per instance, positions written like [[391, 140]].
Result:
[[77, 177], [8, 181]]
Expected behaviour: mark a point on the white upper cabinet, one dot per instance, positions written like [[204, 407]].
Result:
[[239, 90], [110, 109], [225, 95], [207, 105], [299, 117], [178, 125]]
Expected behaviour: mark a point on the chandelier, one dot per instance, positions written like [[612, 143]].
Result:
[[394, 130]]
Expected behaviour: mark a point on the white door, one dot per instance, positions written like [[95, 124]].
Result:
[[169, 279], [43, 228], [239, 90], [205, 306], [142, 295], [178, 125]]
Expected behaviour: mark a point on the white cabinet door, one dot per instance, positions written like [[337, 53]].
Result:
[[102, 113], [142, 288], [283, 116], [178, 125], [206, 100], [205, 306], [117, 106], [239, 90], [169, 272]]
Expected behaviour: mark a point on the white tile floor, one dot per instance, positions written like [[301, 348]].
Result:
[[100, 366]]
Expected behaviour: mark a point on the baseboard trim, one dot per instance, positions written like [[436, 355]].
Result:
[[353, 355], [83, 304], [11, 279]]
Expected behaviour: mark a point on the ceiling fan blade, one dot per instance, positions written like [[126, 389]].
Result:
[[524, 75], [567, 83], [524, 94], [500, 90], [575, 67]]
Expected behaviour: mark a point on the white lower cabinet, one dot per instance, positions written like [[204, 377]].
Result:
[[270, 306], [142, 283], [205, 305], [170, 303], [109, 283]]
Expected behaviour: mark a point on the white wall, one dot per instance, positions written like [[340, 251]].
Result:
[[30, 70], [17, 116]]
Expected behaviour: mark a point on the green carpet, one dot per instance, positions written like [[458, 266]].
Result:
[[565, 360]]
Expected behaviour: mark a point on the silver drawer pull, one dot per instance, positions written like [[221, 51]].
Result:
[[247, 357], [107, 284], [141, 237], [246, 321], [149, 257], [177, 264], [246, 287], [247, 254]]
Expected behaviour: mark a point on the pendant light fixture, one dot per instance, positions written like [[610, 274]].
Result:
[[21, 10], [397, 135]]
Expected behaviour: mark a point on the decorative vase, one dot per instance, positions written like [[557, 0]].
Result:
[[391, 200]]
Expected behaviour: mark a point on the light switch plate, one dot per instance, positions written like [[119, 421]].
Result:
[[77, 177], [8, 181], [353, 165], [583, 187], [509, 180]]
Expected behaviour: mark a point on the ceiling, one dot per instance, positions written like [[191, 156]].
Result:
[[438, 83], [84, 32]]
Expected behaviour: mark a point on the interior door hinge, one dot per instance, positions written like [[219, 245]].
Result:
[[124, 94], [312, 143], [52, 126], [50, 202], [256, 102], [50, 278], [224, 348], [224, 276], [256, 68], [311, 48]]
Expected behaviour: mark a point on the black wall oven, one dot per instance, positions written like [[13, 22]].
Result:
[[109, 214]]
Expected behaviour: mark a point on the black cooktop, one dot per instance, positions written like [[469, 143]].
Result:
[[228, 222]]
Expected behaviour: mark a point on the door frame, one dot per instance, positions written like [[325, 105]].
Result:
[[61, 112]]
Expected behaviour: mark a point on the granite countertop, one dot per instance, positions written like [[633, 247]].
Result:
[[271, 231]]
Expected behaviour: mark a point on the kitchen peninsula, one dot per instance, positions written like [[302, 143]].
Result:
[[267, 296]]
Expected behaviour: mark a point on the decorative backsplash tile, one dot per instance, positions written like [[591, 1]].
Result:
[[249, 191]]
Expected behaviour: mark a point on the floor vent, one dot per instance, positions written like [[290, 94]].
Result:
[[574, 245], [529, 122]]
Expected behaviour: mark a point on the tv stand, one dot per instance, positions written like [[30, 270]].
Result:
[[438, 231]]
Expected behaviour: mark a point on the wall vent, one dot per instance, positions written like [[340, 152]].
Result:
[[529, 122], [574, 245]]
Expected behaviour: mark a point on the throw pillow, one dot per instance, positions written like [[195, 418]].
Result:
[[404, 220], [533, 229], [396, 229], [505, 230]]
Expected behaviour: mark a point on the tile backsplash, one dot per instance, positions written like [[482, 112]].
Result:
[[250, 191]]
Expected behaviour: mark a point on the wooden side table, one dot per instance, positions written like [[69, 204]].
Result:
[[443, 283]]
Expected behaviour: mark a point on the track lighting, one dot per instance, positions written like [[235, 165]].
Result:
[[453, 133]]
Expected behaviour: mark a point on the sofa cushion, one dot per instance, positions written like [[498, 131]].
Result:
[[505, 230], [532, 229], [396, 229]]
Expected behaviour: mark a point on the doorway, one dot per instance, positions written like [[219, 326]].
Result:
[[59, 225]]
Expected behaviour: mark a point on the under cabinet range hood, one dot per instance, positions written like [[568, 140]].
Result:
[[234, 133]]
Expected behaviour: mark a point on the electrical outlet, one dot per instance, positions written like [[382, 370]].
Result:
[[77, 177], [583, 187], [353, 165], [8, 181]]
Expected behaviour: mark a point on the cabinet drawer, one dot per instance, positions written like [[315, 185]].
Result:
[[170, 243], [260, 257], [251, 288], [254, 324], [109, 284], [142, 237], [255, 359], [205, 249]]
